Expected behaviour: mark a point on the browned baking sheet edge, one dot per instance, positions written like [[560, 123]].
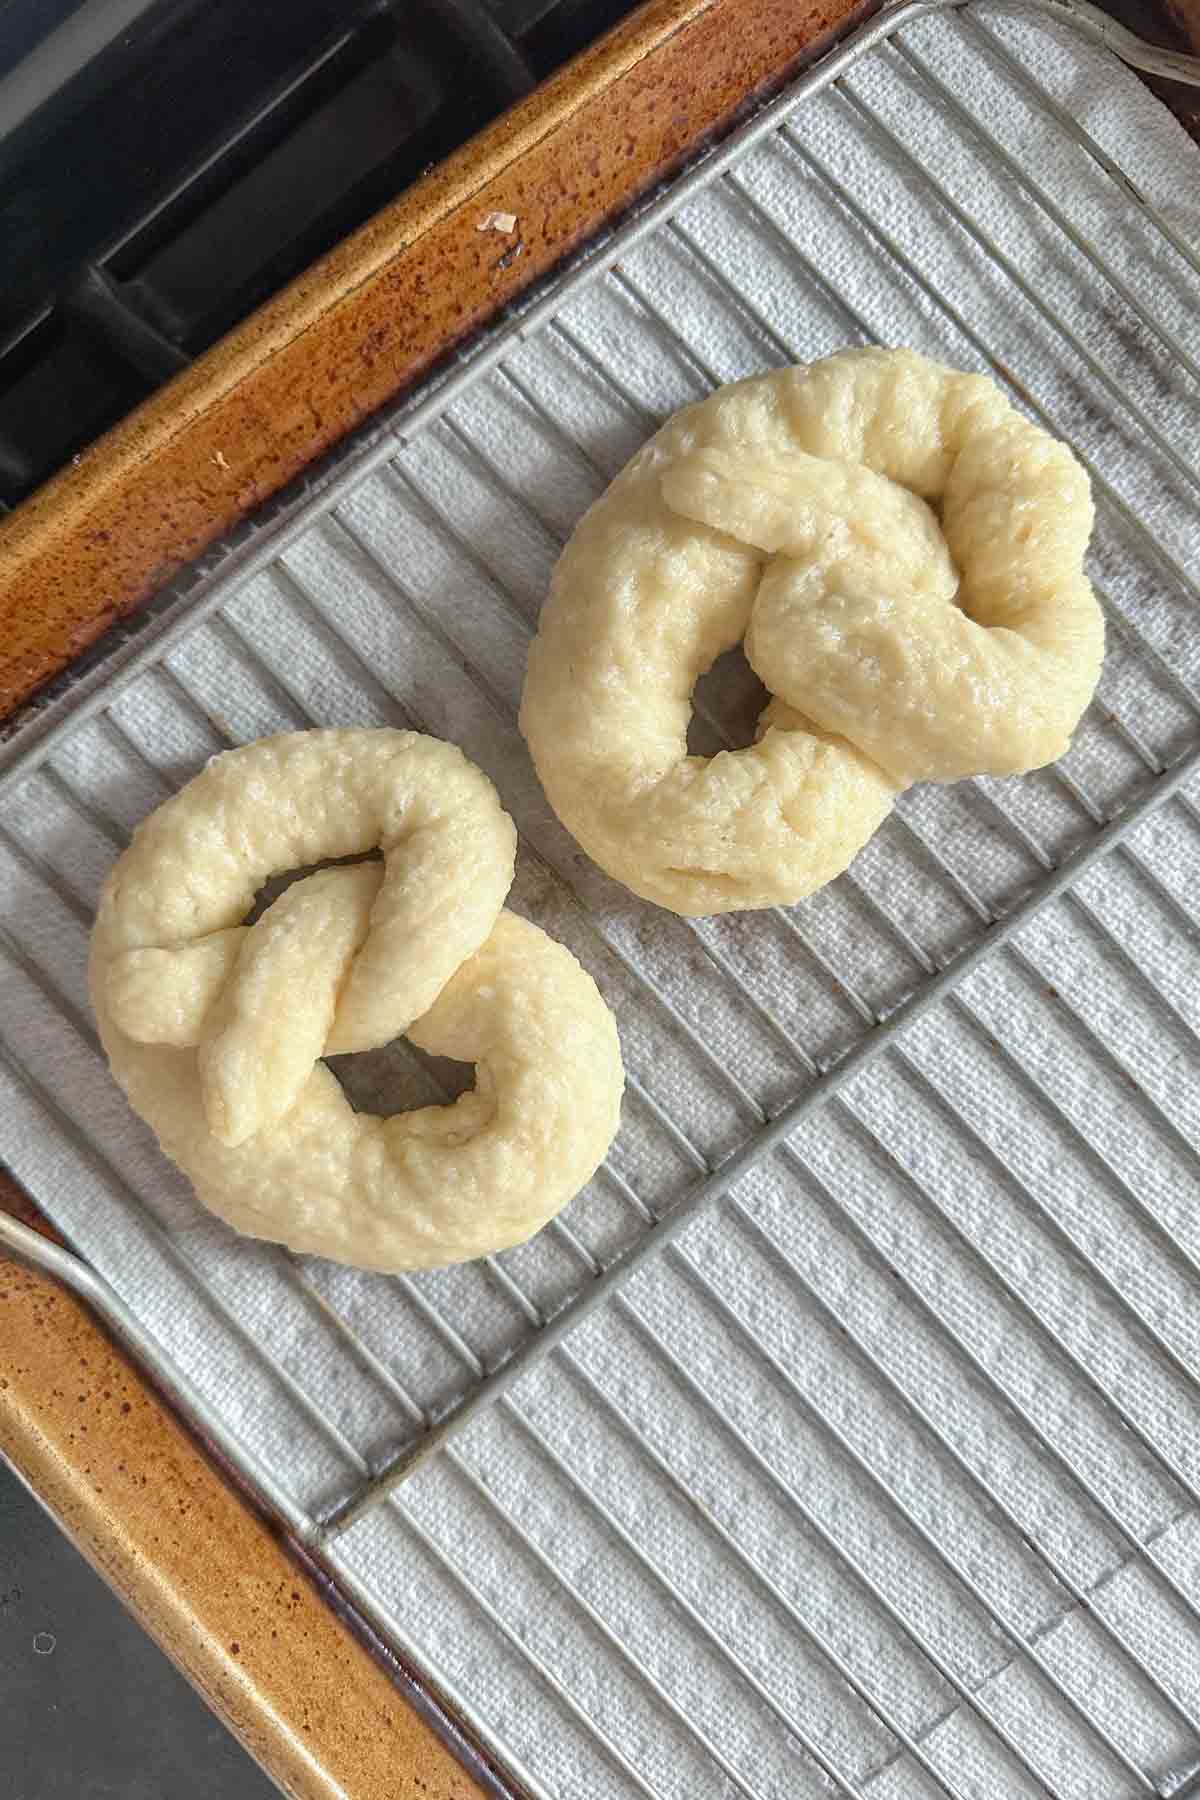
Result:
[[234, 1605], [377, 313], [208, 1578]]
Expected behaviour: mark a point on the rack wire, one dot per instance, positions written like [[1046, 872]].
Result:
[[900, 1213]]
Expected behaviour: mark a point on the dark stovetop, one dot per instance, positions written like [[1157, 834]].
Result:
[[92, 1709], [166, 165]]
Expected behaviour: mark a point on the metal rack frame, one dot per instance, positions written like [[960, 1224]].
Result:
[[819, 1084]]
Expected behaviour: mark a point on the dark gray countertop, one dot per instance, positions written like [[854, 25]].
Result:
[[90, 1709]]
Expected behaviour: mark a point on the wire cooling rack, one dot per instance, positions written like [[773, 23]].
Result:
[[844, 1434]]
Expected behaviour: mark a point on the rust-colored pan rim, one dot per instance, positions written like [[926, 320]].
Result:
[[378, 313], [120, 1354], [156, 627]]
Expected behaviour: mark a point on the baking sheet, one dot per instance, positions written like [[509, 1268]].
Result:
[[927, 1383]]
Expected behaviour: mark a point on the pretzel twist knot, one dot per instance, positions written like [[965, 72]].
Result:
[[215, 1028], [795, 512]]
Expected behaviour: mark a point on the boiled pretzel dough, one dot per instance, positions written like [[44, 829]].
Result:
[[214, 1029], [900, 644]]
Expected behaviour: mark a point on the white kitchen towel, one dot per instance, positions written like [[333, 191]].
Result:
[[890, 1469]]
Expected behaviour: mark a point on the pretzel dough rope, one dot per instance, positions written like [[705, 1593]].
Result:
[[215, 1029], [791, 511]]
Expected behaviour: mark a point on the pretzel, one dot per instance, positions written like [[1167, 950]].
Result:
[[900, 644], [214, 1029]]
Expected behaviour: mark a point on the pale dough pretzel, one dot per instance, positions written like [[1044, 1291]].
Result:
[[792, 511], [214, 1029]]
